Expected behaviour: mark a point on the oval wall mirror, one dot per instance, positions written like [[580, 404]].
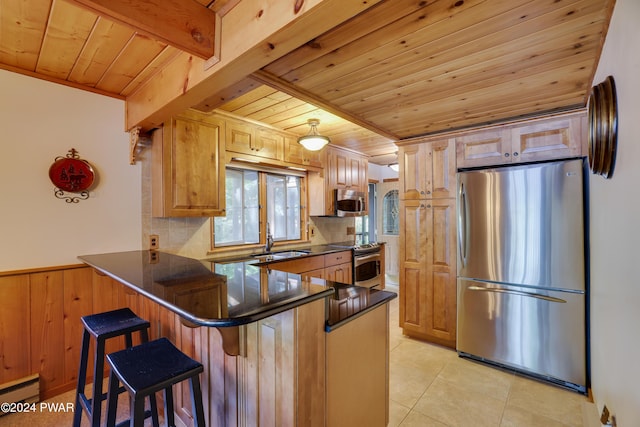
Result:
[[603, 127]]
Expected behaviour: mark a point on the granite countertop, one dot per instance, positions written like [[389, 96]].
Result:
[[230, 293]]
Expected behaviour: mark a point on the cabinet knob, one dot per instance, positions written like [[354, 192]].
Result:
[[506, 154], [429, 206], [428, 192], [515, 154]]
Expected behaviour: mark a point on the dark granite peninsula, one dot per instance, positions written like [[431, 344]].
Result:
[[278, 348]]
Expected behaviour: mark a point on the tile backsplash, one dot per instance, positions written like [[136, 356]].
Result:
[[330, 229]]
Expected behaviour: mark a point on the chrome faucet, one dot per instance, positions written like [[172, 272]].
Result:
[[269, 244]]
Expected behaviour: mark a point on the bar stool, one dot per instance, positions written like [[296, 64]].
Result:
[[148, 368], [103, 326]]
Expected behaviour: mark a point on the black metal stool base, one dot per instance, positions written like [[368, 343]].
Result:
[[148, 368]]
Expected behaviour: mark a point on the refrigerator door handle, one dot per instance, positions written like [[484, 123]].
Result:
[[521, 293], [462, 225]]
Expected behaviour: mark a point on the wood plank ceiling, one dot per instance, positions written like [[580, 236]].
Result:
[[401, 69]]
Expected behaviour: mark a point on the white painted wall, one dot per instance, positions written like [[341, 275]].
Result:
[[615, 232], [40, 121]]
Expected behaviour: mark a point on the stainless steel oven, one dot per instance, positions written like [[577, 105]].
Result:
[[367, 266]]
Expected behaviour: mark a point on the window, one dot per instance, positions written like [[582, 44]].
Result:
[[390, 213], [283, 206], [366, 225], [241, 223], [245, 222]]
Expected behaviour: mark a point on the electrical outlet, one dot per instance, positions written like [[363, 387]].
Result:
[[154, 241], [351, 231]]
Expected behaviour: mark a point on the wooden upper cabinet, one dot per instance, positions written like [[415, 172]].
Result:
[[247, 138], [428, 170], [414, 183], [550, 138], [188, 167], [240, 137], [553, 138], [269, 144], [490, 147], [297, 154], [346, 170]]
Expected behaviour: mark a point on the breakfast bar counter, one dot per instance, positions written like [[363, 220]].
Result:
[[190, 288], [278, 348]]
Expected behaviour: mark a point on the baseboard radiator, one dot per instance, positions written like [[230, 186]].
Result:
[[23, 390]]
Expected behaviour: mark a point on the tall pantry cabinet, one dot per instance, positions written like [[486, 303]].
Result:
[[427, 243]]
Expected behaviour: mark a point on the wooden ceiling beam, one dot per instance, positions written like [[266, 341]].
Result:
[[184, 24], [253, 34]]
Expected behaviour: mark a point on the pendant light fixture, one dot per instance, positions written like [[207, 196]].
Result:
[[313, 141]]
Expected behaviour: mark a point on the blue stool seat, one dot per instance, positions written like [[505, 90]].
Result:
[[148, 368], [102, 326]]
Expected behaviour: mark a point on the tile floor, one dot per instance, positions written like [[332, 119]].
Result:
[[430, 386]]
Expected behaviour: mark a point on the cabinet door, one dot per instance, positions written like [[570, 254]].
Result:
[[354, 174], [415, 249], [339, 169], [443, 168], [269, 144], [192, 164], [428, 270], [341, 273], [484, 148], [294, 152], [297, 154], [441, 278], [554, 138], [415, 183], [240, 137]]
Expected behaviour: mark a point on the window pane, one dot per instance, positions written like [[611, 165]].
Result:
[[390, 211], [240, 225], [283, 206], [293, 208]]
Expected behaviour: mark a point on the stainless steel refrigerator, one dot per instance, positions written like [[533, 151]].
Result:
[[521, 269]]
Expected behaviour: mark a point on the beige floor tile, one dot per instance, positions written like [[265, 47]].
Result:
[[518, 417], [407, 385], [416, 419], [454, 406], [397, 413], [546, 400], [478, 378]]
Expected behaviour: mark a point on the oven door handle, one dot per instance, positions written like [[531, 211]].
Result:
[[359, 259]]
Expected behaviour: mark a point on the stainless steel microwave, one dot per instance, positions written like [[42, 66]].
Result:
[[350, 203]]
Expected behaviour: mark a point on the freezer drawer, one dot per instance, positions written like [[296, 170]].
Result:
[[538, 331]]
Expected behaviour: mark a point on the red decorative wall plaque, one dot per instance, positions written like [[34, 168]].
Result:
[[73, 175]]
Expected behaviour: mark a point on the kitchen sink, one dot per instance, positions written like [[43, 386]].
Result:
[[271, 256]]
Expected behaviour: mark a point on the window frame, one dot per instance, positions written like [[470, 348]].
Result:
[[262, 194]]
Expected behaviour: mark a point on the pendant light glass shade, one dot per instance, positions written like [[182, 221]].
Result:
[[313, 141]]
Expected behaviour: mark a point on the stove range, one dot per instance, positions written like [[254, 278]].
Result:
[[358, 249]]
